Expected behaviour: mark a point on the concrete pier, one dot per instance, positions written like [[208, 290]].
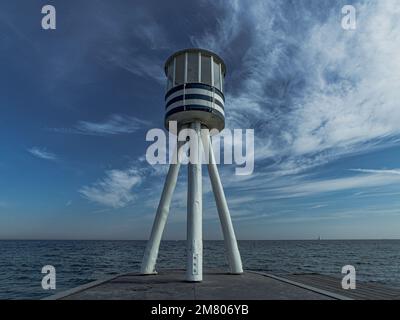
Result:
[[216, 285]]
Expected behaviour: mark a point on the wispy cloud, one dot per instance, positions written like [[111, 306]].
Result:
[[135, 50], [312, 91], [355, 214], [114, 125], [137, 64], [42, 153], [332, 185], [318, 206], [382, 171], [264, 187], [115, 189]]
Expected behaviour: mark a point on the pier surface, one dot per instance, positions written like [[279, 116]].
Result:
[[170, 285]]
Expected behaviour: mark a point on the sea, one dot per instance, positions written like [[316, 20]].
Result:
[[79, 262]]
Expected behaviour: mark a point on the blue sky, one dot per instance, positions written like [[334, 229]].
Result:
[[76, 103]]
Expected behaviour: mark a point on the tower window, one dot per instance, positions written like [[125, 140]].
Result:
[[179, 69], [206, 69], [217, 75], [192, 67], [170, 75]]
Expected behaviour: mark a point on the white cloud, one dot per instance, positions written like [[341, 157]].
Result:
[[383, 171], [136, 58], [115, 190], [318, 206], [331, 185], [264, 186], [313, 91], [353, 95], [113, 125], [139, 65], [42, 153]]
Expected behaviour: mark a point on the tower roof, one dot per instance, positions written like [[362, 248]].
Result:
[[214, 55]]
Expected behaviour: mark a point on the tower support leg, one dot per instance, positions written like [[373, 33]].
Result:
[[194, 265], [151, 252], [231, 247]]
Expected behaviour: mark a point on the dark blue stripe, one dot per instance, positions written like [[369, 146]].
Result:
[[205, 87], [195, 86], [194, 108], [194, 96], [174, 89]]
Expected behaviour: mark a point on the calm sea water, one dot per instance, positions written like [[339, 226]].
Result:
[[78, 262]]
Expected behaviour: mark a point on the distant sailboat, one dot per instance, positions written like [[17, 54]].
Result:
[[319, 238]]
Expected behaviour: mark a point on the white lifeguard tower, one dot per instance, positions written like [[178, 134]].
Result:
[[194, 99]]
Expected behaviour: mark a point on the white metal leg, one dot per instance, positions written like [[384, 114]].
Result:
[[235, 262], [194, 265], [151, 253]]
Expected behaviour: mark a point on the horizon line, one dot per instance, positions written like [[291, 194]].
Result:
[[316, 239]]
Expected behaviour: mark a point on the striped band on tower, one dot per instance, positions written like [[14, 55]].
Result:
[[195, 97]]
